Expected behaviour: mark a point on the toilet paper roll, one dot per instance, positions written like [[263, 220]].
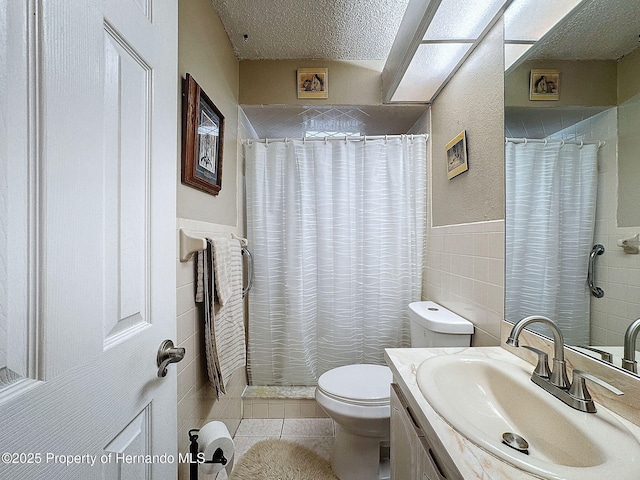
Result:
[[212, 436]]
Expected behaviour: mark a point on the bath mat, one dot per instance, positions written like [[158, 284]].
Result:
[[281, 460]]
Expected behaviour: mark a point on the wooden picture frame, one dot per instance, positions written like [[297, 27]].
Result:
[[202, 139], [457, 161], [544, 85], [313, 82]]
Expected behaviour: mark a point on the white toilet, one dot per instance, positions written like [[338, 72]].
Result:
[[356, 397]]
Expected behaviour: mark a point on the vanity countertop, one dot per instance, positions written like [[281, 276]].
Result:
[[471, 461]]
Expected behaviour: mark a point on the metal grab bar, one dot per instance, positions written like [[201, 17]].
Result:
[[595, 291], [247, 253]]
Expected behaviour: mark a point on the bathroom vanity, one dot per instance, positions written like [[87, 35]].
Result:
[[416, 451], [426, 447]]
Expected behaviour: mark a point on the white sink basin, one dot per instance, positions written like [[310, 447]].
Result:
[[484, 398]]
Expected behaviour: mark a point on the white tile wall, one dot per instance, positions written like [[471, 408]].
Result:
[[464, 271], [197, 403]]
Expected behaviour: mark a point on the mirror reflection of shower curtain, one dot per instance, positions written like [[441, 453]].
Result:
[[337, 230], [551, 201]]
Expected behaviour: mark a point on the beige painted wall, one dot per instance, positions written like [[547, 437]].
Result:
[[273, 82], [628, 134], [205, 52], [628, 75], [473, 101], [464, 258], [582, 83]]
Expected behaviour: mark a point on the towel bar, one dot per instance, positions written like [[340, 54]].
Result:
[[190, 245], [247, 253]]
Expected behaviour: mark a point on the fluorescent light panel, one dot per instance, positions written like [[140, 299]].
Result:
[[532, 19], [429, 68], [513, 51], [462, 19], [455, 27]]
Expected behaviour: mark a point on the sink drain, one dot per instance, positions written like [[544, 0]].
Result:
[[516, 442]]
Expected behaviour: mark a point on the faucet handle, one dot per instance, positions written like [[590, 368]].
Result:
[[542, 368], [579, 388]]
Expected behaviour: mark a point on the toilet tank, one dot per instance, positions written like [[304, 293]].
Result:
[[432, 325]]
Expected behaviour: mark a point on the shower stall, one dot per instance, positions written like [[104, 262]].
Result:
[[336, 228]]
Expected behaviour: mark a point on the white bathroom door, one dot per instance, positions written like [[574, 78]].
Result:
[[88, 147]]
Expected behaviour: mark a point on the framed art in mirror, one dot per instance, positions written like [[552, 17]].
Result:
[[544, 85], [202, 139]]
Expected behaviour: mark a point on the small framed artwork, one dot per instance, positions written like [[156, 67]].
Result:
[[202, 139], [457, 155], [313, 83], [544, 85]]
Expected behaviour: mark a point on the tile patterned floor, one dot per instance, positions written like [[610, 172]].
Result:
[[317, 434]]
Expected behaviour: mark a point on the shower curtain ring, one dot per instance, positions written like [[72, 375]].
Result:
[[546, 142], [581, 144], [562, 143], [525, 141]]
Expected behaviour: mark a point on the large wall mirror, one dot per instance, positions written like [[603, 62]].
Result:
[[573, 186]]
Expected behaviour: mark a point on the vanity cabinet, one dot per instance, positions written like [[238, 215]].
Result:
[[414, 455]]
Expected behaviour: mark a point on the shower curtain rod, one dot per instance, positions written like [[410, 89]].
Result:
[[344, 138], [561, 142]]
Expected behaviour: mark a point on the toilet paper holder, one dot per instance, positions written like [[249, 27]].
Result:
[[196, 458]]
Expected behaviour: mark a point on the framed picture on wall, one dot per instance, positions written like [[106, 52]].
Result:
[[544, 85], [202, 137], [313, 83], [457, 161]]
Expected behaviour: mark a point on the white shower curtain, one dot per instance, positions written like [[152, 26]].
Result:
[[550, 218], [337, 234]]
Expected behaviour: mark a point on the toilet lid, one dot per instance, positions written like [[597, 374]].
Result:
[[362, 383]]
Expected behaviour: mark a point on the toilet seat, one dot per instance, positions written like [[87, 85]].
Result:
[[362, 384]]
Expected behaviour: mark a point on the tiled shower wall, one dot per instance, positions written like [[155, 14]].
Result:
[[617, 273]]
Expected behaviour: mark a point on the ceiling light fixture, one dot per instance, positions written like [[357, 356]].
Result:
[[445, 34], [437, 36]]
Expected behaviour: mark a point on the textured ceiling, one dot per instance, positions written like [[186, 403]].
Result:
[[365, 30], [323, 29], [600, 30]]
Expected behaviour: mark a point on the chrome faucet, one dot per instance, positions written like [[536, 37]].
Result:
[[558, 375], [574, 394], [630, 337]]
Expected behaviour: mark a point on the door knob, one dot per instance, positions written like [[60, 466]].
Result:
[[167, 354]]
